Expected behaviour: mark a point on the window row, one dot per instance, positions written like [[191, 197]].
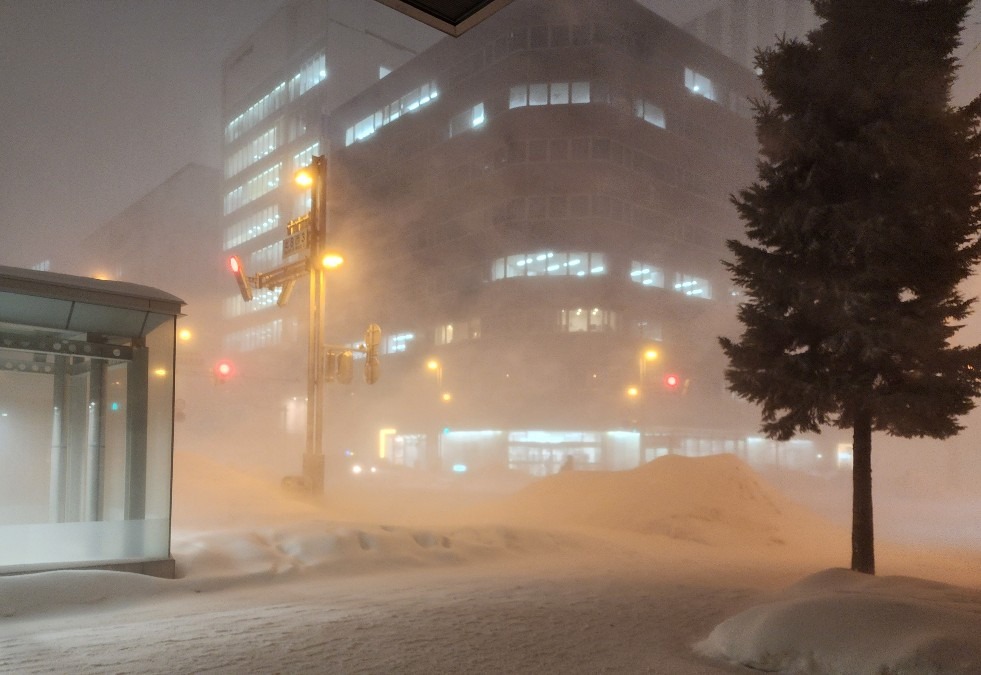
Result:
[[549, 264], [254, 188], [252, 226], [582, 264], [255, 337], [406, 104], [251, 152], [582, 320], [450, 333], [312, 73], [262, 298], [549, 93]]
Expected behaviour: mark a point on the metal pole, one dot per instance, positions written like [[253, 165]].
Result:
[[313, 460], [59, 442], [96, 440]]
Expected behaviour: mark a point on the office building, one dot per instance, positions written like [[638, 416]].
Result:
[[535, 213]]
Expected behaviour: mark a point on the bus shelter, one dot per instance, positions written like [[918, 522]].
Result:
[[86, 423]]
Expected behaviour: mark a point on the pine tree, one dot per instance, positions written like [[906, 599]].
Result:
[[863, 221]]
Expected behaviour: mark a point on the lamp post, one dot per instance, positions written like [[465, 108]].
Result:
[[307, 235]]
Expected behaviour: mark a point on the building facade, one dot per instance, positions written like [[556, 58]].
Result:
[[307, 59], [535, 213]]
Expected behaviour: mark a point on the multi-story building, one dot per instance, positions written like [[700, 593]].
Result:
[[738, 27], [535, 213], [308, 58]]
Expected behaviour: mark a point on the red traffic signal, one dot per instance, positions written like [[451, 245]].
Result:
[[224, 370], [238, 269], [672, 382]]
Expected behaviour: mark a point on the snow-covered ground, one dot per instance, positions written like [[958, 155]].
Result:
[[680, 566]]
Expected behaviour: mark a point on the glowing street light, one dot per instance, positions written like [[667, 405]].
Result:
[[633, 392], [305, 177], [332, 260], [436, 367]]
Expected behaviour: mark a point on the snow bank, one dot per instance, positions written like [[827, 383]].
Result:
[[838, 621], [716, 500]]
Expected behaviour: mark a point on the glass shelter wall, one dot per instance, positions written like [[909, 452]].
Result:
[[86, 430], [82, 428]]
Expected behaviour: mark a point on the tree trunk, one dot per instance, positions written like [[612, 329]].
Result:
[[863, 551]]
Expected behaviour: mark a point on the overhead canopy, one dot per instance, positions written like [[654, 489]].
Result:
[[450, 16], [81, 304]]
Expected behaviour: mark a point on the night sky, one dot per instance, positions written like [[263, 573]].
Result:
[[103, 100]]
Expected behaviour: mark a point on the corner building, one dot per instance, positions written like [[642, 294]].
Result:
[[535, 214]]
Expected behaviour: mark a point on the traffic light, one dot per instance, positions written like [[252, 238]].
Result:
[[223, 371], [345, 367], [372, 368], [238, 269], [675, 383]]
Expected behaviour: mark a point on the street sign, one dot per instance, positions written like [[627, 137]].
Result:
[[298, 242]]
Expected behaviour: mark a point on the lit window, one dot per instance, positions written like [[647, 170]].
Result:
[[403, 105], [559, 93], [468, 119], [555, 93], [252, 226], [457, 332], [696, 287], [396, 343], [580, 92], [550, 263], [650, 113], [582, 320], [646, 274], [698, 84], [253, 189], [305, 157]]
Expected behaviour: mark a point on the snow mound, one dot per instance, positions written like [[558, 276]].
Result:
[[838, 621], [217, 558], [717, 500]]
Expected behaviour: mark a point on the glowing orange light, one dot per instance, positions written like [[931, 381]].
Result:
[[332, 260], [304, 177]]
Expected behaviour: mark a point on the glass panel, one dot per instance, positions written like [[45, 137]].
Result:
[[86, 445]]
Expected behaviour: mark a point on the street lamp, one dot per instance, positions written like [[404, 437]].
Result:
[[437, 368], [331, 260]]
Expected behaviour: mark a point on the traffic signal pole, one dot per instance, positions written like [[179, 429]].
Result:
[[313, 457], [307, 235]]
